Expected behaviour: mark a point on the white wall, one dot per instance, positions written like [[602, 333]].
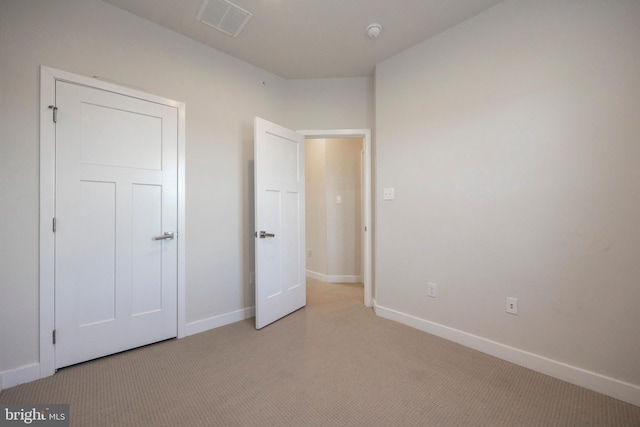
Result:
[[222, 95], [320, 104], [512, 141], [334, 231]]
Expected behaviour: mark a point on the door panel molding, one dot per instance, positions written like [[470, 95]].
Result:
[[48, 78]]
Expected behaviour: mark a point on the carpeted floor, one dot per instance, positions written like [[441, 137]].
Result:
[[332, 363]]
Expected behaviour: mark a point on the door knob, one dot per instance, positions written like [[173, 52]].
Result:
[[166, 235], [264, 234]]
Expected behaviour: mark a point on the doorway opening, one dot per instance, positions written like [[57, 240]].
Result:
[[338, 211]]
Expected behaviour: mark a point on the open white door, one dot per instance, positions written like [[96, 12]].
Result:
[[279, 222]]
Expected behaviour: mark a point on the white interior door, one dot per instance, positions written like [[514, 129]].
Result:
[[116, 197], [279, 222]]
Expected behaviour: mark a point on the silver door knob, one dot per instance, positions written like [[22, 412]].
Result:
[[166, 235], [264, 234]]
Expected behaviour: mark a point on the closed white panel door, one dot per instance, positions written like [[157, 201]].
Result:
[[116, 197], [279, 222]]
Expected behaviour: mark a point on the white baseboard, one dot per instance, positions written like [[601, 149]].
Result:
[[21, 375], [334, 278], [220, 320], [317, 276], [612, 387]]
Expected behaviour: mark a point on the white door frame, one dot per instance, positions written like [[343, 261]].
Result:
[[48, 78], [367, 256]]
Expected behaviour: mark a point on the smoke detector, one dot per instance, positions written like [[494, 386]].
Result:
[[224, 16], [374, 30]]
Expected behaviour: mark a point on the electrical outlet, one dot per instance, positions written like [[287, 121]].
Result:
[[512, 305], [432, 289], [308, 253]]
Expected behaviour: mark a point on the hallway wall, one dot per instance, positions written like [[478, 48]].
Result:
[[334, 229]]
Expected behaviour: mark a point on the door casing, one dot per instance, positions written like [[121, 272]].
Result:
[[48, 78]]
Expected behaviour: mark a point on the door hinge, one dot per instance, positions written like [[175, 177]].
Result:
[[55, 113], [54, 336], [54, 225]]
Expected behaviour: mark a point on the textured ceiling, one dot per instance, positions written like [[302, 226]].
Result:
[[298, 39]]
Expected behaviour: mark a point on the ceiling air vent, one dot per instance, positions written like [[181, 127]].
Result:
[[224, 16]]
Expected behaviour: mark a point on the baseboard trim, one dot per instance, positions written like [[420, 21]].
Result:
[[612, 387], [334, 278], [21, 375], [220, 320], [317, 276]]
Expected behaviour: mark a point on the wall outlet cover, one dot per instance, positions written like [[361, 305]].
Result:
[[432, 290]]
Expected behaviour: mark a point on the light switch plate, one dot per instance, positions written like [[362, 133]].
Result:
[[388, 193], [432, 289]]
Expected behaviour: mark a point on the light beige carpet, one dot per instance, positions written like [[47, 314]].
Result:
[[333, 363]]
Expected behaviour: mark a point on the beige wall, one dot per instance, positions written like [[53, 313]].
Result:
[[512, 143], [344, 220], [334, 231], [316, 205]]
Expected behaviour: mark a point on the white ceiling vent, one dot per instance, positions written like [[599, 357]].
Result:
[[224, 16]]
